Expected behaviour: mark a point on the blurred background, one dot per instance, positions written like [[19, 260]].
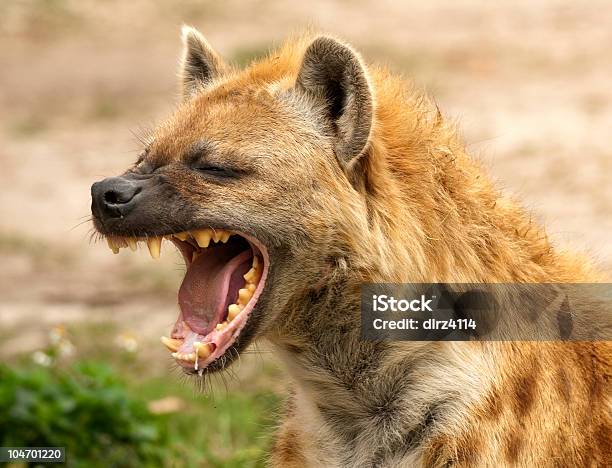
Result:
[[80, 361]]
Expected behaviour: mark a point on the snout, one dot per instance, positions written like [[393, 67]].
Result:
[[114, 197], [139, 205]]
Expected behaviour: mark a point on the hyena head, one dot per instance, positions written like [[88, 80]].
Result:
[[251, 179]]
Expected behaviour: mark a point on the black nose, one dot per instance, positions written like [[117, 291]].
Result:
[[114, 197]]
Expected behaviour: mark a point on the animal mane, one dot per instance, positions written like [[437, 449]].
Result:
[[419, 180]]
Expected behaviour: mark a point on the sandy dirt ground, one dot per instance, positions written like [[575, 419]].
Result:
[[529, 83]]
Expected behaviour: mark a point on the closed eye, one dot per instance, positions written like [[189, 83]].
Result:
[[215, 171]]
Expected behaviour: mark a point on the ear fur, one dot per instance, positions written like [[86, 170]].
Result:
[[200, 64], [334, 78]]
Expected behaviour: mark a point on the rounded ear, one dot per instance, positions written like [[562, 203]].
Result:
[[200, 64], [333, 76]]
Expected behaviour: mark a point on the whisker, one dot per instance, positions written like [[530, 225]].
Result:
[[80, 223]]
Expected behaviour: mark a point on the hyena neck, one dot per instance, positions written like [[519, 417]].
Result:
[[365, 394]]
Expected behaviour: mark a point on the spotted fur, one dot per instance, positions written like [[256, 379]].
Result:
[[352, 175]]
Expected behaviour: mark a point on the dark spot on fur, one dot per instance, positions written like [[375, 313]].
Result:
[[525, 391], [563, 384], [513, 446], [468, 449], [603, 441], [564, 320], [479, 306]]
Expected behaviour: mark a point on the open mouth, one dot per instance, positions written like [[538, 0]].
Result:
[[226, 273]]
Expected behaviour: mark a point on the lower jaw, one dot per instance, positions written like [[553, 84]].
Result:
[[193, 350]]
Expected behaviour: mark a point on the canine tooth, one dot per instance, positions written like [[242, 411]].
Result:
[[202, 350], [250, 275], [131, 242], [154, 244], [244, 295], [225, 237], [170, 343], [112, 246], [181, 236], [202, 237], [255, 261]]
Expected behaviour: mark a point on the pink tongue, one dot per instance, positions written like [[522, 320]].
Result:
[[210, 280]]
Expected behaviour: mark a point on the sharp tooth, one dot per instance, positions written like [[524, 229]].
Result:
[[250, 275], [255, 262], [251, 287], [112, 246], [202, 349], [221, 326], [181, 236], [216, 235], [171, 344], [202, 237], [244, 295], [232, 311], [131, 242], [225, 237], [154, 244]]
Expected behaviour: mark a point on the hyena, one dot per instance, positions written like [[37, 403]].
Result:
[[286, 186]]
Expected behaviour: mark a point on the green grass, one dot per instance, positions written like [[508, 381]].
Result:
[[225, 430], [99, 406]]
